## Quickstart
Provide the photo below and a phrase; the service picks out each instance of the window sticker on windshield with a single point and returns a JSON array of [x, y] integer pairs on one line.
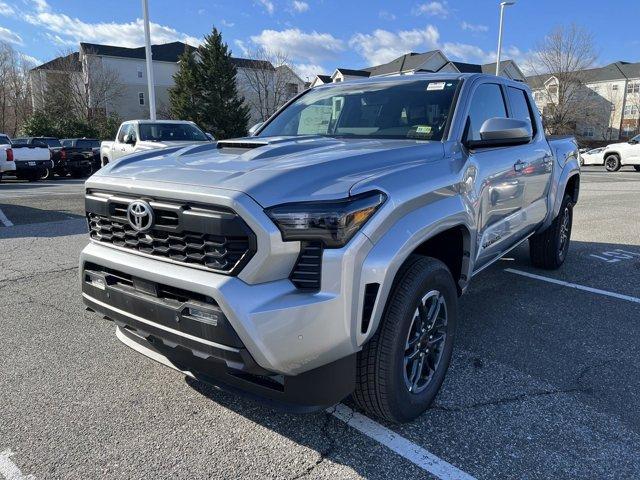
[[435, 86], [423, 129]]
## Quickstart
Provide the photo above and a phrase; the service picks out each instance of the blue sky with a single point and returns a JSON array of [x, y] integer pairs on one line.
[[319, 35]]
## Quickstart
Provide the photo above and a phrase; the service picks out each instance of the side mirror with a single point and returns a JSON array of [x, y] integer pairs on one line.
[[633, 141], [130, 139], [255, 128], [500, 132], [210, 136]]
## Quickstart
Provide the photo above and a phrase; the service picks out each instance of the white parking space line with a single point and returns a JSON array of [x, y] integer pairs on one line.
[[400, 445], [4, 220], [10, 470], [574, 285]]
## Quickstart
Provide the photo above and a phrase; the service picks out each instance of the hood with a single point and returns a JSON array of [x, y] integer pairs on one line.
[[276, 170]]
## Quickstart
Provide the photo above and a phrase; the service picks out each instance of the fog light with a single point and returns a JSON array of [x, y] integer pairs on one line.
[[97, 282], [204, 316]]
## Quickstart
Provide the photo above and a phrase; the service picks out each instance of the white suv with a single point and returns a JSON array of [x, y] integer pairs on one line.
[[618, 154]]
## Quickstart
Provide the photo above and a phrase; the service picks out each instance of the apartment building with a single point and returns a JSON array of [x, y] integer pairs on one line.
[[92, 62], [607, 100], [411, 63]]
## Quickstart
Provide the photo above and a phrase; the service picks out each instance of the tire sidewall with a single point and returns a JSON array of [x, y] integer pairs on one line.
[[407, 404], [617, 163], [566, 204]]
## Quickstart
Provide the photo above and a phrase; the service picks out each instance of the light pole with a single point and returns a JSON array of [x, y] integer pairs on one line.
[[147, 48], [502, 5]]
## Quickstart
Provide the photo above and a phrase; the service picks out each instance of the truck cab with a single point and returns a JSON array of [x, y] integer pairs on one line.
[[141, 135]]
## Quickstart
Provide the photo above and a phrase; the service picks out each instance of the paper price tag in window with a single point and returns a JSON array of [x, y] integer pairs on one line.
[[423, 129], [435, 86]]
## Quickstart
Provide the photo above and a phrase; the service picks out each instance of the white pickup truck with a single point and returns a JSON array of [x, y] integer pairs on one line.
[[139, 135], [27, 162]]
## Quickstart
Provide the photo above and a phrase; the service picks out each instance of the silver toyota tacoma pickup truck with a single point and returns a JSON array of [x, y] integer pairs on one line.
[[324, 256]]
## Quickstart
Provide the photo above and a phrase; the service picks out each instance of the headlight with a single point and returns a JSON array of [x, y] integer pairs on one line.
[[333, 222]]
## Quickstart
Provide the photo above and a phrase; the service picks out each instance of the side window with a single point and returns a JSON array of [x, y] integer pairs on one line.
[[520, 107], [487, 102]]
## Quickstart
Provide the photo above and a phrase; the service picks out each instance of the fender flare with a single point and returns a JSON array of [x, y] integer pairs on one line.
[[392, 249]]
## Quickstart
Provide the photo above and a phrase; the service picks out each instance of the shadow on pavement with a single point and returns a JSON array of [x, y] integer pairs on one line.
[[40, 223]]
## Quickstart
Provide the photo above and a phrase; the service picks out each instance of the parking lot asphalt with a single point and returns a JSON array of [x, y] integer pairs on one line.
[[544, 381]]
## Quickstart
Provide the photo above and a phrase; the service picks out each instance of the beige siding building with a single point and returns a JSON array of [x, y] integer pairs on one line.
[[607, 100]]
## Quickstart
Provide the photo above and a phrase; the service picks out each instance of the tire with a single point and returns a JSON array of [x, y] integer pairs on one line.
[[636, 168], [105, 161], [612, 163], [47, 174], [548, 249], [384, 379]]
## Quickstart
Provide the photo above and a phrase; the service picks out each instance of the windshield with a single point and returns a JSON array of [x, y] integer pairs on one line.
[[170, 132], [50, 142], [4, 140], [416, 109]]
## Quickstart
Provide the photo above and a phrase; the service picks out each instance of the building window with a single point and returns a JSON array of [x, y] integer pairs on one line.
[[537, 96], [633, 87], [588, 132], [141, 98], [292, 89], [139, 71], [614, 87], [631, 110], [553, 89]]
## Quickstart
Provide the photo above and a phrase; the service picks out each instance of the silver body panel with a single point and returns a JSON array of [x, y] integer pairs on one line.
[[430, 187]]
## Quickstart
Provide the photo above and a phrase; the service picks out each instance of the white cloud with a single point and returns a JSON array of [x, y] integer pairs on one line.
[[307, 71], [7, 35], [268, 6], [226, 23], [30, 60], [300, 6], [385, 15], [312, 47], [6, 9], [467, 53], [65, 30], [433, 9], [382, 46], [474, 27], [242, 46]]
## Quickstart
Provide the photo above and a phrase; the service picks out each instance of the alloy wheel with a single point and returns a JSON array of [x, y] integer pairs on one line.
[[425, 341]]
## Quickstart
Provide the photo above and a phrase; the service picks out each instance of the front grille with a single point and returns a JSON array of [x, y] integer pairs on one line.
[[214, 238], [306, 272]]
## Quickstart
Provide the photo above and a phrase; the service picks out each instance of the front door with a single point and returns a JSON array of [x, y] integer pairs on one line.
[[501, 187]]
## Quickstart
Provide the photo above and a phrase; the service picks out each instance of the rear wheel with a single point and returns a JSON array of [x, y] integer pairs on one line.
[[402, 367], [548, 249], [46, 174], [612, 163], [105, 161]]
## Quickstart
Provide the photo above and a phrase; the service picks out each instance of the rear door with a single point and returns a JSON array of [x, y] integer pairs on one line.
[[534, 161], [501, 187]]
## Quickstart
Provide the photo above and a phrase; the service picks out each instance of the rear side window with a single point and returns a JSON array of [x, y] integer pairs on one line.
[[520, 107], [487, 102]]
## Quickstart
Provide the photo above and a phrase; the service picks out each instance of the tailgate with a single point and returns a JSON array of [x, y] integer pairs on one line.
[[23, 153]]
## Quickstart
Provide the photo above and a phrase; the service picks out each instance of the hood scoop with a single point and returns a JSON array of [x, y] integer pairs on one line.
[[240, 144]]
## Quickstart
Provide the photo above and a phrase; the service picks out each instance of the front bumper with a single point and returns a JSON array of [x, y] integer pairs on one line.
[[190, 333]]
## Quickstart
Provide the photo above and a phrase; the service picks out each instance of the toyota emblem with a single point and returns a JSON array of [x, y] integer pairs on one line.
[[140, 215]]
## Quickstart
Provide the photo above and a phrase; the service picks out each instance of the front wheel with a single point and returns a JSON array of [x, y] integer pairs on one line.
[[548, 249], [46, 174], [402, 367], [612, 163]]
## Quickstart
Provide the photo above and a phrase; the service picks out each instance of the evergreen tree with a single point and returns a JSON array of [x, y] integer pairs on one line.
[[221, 107], [185, 95]]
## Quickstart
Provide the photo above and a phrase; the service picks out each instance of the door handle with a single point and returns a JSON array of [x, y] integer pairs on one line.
[[519, 165]]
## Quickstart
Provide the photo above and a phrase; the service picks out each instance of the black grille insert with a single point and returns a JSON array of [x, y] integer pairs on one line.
[[306, 274], [215, 238]]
